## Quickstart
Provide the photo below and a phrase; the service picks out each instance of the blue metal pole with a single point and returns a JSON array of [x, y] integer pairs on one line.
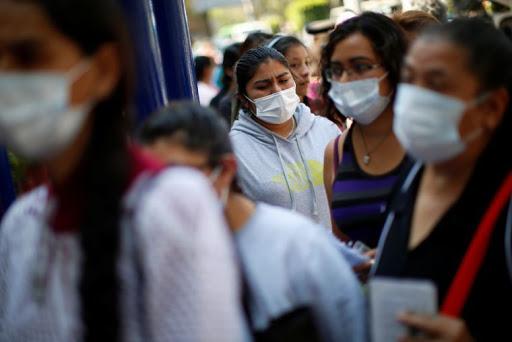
[[165, 69], [7, 193]]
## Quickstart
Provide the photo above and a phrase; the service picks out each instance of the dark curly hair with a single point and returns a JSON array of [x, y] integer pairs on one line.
[[388, 42]]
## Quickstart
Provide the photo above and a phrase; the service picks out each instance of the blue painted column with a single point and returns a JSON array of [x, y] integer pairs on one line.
[[164, 61], [7, 193]]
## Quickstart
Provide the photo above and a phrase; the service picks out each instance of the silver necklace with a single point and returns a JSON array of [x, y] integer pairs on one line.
[[367, 158]]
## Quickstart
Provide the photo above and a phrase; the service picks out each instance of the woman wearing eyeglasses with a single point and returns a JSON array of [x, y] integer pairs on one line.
[[361, 67]]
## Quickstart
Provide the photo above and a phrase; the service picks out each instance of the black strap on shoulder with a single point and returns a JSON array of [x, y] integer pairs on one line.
[[389, 245]]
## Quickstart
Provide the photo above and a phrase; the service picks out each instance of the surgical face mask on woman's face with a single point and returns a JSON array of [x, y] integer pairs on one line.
[[427, 123], [276, 108], [359, 100], [36, 118]]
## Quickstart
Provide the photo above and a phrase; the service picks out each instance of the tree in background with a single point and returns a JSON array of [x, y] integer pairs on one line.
[[301, 12]]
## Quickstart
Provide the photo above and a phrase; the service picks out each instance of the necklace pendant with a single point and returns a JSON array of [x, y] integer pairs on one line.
[[366, 159]]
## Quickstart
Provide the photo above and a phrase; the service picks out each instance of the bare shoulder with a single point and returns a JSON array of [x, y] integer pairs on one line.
[[329, 150]]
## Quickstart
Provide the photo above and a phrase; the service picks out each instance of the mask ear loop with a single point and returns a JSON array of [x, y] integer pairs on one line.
[[472, 104], [74, 74], [214, 176], [254, 103], [478, 101], [78, 70], [248, 99], [215, 173], [224, 196], [382, 78]]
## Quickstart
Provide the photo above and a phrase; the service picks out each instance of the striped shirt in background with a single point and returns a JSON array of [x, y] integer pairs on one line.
[[358, 199]]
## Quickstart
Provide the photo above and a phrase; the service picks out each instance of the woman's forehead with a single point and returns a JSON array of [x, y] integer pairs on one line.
[[297, 51], [269, 69], [426, 53], [355, 45], [23, 21]]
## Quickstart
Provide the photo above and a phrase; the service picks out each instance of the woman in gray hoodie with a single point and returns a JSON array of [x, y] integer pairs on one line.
[[278, 142]]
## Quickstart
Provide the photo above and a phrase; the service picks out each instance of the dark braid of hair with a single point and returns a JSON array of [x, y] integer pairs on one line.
[[105, 166]]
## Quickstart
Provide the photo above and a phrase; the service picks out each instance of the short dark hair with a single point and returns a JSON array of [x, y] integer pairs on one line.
[[201, 64], [283, 43], [387, 40], [197, 128], [229, 59], [254, 40]]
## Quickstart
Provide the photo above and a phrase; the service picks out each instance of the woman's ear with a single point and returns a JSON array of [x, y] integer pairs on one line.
[[494, 109], [107, 63], [244, 104], [229, 72]]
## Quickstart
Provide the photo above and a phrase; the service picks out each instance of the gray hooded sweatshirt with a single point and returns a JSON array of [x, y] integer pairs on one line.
[[286, 172]]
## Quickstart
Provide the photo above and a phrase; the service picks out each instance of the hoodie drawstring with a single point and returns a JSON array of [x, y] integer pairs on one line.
[[309, 177], [292, 198]]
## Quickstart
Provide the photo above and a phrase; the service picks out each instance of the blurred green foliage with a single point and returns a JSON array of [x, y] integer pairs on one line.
[[301, 12]]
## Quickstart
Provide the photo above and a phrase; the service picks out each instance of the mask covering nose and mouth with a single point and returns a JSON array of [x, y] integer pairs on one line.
[[360, 99], [36, 118], [277, 108], [427, 123]]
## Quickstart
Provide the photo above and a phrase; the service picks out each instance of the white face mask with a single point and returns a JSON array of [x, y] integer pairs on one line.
[[277, 108], [359, 100], [36, 120], [427, 123]]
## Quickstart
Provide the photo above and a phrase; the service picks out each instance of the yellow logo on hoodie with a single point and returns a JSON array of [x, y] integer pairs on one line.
[[298, 177]]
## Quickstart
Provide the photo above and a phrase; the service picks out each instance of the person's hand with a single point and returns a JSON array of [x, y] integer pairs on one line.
[[371, 253], [437, 328], [362, 270]]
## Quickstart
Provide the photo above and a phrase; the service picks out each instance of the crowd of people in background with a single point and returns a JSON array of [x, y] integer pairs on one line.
[[265, 211]]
